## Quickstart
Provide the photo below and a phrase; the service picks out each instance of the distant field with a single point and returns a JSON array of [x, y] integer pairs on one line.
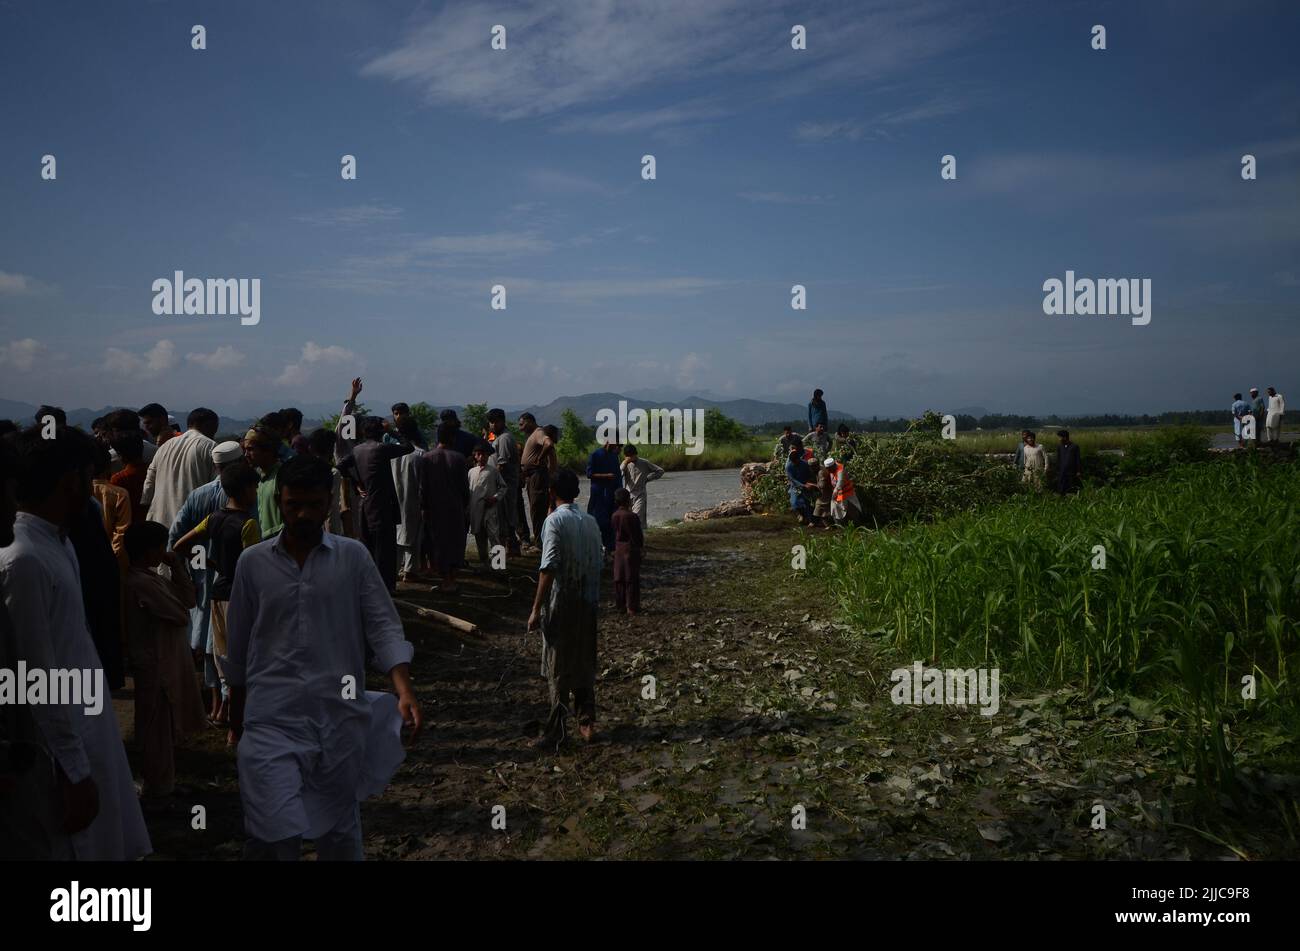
[[733, 454], [1088, 440], [989, 440]]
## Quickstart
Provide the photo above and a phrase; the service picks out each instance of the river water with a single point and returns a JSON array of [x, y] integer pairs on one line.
[[680, 492]]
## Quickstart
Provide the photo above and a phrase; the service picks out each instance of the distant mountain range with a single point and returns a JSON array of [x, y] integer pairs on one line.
[[243, 412], [23, 413], [746, 412]]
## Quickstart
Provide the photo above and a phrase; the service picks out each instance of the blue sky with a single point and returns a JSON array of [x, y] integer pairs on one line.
[[775, 167]]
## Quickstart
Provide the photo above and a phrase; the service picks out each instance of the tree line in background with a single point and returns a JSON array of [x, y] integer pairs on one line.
[[1012, 421]]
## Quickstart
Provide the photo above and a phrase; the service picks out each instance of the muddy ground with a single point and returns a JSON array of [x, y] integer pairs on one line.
[[766, 711]]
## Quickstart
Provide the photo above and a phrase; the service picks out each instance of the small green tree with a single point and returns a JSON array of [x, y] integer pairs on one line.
[[576, 437], [426, 417], [929, 424], [719, 427], [474, 419]]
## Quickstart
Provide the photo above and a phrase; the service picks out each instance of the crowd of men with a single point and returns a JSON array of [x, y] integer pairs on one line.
[[1265, 415], [265, 568], [823, 495], [821, 492]]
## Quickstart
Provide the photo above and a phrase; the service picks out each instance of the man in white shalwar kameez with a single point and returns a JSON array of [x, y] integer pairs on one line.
[[303, 607], [83, 763], [1273, 421], [181, 465]]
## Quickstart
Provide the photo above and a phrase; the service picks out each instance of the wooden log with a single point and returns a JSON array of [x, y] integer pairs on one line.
[[459, 624]]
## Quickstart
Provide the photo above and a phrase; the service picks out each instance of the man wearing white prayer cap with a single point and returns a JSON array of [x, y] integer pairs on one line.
[[226, 452], [199, 504]]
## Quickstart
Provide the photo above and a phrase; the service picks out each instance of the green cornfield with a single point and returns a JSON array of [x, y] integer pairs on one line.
[[1200, 588]]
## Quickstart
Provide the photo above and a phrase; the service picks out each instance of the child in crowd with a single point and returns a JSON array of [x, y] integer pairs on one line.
[[167, 702], [825, 480], [629, 539], [486, 489]]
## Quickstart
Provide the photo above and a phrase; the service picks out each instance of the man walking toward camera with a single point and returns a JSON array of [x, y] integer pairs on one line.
[[303, 608]]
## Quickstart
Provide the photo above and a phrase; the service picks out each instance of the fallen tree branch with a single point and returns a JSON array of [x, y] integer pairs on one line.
[[459, 624]]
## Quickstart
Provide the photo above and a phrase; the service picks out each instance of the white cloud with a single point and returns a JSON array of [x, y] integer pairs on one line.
[[313, 354], [352, 216], [935, 108], [223, 358], [601, 289], [158, 359], [162, 356], [21, 354], [14, 283], [632, 121], [562, 55], [583, 52], [406, 261], [121, 362], [552, 180], [830, 130], [785, 198], [886, 124], [691, 369], [495, 244], [21, 284], [293, 374]]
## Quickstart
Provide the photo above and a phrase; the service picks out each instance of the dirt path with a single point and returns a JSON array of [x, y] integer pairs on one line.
[[762, 705]]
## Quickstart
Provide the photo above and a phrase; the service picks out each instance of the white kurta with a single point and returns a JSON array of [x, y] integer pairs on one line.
[[1036, 465], [295, 637], [181, 465], [484, 482], [406, 482], [42, 592]]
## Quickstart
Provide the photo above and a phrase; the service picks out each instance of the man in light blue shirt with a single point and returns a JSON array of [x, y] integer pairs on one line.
[[1240, 409], [1258, 409], [199, 504]]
